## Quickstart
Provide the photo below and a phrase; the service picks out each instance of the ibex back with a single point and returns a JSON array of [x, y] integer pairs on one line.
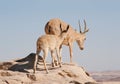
[[53, 27]]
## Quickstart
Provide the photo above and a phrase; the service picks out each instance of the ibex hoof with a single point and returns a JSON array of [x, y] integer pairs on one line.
[[47, 72], [60, 65], [56, 63], [53, 65], [34, 71]]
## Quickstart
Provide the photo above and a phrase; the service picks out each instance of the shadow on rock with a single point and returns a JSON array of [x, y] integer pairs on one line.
[[75, 82], [24, 63]]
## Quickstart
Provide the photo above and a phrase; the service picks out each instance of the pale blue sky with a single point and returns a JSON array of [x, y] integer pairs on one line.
[[23, 21]]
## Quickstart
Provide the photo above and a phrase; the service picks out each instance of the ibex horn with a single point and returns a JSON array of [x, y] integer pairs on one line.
[[79, 26], [85, 26]]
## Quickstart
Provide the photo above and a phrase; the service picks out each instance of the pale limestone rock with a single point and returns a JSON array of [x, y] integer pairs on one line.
[[20, 72]]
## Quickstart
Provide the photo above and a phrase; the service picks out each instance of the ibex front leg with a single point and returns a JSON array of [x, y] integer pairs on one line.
[[58, 56], [60, 52], [71, 52]]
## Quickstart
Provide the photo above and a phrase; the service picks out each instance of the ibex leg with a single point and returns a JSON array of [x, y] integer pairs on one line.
[[44, 58], [53, 58], [71, 52], [36, 60]]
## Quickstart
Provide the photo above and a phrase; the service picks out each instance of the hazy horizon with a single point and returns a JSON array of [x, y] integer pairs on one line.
[[22, 22]]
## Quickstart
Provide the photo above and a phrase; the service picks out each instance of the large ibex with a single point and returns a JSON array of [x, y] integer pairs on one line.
[[50, 43], [53, 27]]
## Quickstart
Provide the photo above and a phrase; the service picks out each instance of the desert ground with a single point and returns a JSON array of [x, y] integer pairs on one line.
[[107, 77]]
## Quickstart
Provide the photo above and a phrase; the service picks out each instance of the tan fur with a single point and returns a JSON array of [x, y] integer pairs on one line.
[[52, 43], [52, 27]]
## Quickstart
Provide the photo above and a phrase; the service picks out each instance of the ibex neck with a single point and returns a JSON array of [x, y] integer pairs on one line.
[[60, 39]]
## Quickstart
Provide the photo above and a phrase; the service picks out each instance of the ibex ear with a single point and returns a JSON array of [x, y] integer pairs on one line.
[[67, 27], [86, 31], [80, 31], [60, 27]]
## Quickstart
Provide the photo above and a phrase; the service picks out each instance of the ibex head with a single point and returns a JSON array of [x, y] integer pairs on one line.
[[82, 36]]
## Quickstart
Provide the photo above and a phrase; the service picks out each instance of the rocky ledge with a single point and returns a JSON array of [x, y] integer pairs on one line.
[[20, 72]]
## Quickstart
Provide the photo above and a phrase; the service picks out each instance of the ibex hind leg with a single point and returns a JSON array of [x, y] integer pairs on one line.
[[35, 63], [36, 60], [44, 57]]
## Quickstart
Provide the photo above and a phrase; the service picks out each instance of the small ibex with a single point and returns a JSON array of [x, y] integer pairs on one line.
[[53, 27], [52, 43]]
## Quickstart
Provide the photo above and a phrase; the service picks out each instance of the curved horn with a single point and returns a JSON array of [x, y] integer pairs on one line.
[[85, 26], [79, 26]]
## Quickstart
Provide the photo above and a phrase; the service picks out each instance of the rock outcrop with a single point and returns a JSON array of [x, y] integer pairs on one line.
[[20, 72]]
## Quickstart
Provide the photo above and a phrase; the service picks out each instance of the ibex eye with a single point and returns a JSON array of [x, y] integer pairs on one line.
[[85, 38]]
